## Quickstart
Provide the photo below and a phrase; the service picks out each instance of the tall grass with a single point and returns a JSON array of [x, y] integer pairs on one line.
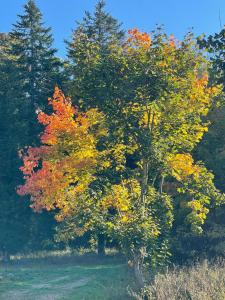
[[202, 281]]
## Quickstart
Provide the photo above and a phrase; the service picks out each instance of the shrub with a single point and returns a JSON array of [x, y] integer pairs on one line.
[[197, 282]]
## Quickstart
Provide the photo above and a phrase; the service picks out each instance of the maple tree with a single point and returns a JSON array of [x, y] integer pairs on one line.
[[156, 105], [61, 169], [155, 119]]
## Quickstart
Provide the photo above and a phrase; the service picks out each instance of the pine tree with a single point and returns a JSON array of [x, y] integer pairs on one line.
[[38, 67], [92, 41], [38, 71], [212, 147], [101, 27], [28, 72], [14, 213]]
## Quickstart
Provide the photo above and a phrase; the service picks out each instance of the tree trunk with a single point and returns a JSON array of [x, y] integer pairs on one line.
[[138, 273], [161, 184], [101, 244], [144, 185]]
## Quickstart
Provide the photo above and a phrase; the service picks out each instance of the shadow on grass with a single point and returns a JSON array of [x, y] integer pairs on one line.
[[65, 276]]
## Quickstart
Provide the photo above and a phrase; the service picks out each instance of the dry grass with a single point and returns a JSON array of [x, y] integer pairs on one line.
[[202, 281]]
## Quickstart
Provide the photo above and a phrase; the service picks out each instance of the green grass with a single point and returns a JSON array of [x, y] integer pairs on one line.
[[65, 278]]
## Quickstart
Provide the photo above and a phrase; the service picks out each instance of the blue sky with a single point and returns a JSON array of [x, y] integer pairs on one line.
[[178, 16]]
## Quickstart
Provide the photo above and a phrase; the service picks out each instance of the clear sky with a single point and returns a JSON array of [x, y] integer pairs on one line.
[[178, 16]]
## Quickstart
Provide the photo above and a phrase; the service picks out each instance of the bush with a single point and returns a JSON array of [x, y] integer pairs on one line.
[[201, 281]]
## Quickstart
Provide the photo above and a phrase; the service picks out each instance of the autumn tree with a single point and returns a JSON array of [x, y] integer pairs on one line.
[[60, 174], [156, 98], [156, 120]]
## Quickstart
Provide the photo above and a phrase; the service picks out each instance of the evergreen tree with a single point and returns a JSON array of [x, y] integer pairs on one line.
[[14, 213], [38, 67], [39, 70], [101, 27], [213, 145], [28, 72], [92, 41], [91, 83]]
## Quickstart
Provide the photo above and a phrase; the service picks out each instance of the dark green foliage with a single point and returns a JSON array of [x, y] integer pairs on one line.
[[14, 213], [212, 151], [212, 148], [28, 72], [215, 45], [91, 43], [101, 27], [37, 66]]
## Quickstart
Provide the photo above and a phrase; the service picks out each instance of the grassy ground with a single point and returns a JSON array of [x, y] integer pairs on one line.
[[65, 278]]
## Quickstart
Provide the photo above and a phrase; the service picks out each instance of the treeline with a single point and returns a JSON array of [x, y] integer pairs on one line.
[[148, 111]]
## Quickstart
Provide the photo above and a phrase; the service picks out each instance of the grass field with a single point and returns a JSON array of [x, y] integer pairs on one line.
[[65, 278]]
